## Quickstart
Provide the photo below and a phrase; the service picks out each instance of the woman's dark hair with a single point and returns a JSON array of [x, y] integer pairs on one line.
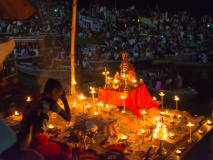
[[52, 84]]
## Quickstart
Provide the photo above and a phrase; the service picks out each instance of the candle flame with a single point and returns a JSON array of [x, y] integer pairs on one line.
[[154, 98], [167, 113], [74, 82], [143, 131], [171, 134], [74, 104], [16, 113], [176, 98], [115, 80], [178, 151], [123, 111], [190, 124], [209, 122], [101, 104], [95, 113], [123, 97], [51, 126], [82, 97], [162, 94], [106, 106], [28, 99], [92, 90], [200, 132], [134, 81], [143, 112], [124, 137], [179, 116]]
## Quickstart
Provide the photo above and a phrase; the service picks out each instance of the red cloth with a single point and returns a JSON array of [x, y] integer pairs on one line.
[[16, 9], [137, 99], [50, 149]]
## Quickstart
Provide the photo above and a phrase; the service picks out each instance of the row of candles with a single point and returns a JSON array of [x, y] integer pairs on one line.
[[162, 95]]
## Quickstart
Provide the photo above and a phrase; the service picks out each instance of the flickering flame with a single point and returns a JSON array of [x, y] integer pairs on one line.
[[82, 97], [101, 104], [176, 98], [124, 137], [105, 72], [143, 112], [106, 106], [167, 113], [123, 111], [200, 132], [74, 82], [143, 131], [171, 134], [50, 126], [28, 99], [123, 75], [95, 113], [178, 151], [190, 124], [134, 81], [115, 80], [160, 131], [179, 116], [162, 113], [154, 98], [16, 113], [162, 94], [122, 97], [92, 90], [209, 122]]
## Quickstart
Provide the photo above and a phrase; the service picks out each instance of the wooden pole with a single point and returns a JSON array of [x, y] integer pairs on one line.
[[72, 56]]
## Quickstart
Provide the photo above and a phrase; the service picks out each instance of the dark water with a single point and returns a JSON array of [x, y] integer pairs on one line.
[[199, 78]]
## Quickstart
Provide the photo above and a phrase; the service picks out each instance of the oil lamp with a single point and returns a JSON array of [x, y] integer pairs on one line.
[[162, 94], [176, 99], [190, 132], [28, 99], [105, 73]]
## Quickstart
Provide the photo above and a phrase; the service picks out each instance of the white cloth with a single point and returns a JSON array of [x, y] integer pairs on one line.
[[7, 136]]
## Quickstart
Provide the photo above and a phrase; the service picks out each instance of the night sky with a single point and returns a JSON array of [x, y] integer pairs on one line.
[[196, 7]]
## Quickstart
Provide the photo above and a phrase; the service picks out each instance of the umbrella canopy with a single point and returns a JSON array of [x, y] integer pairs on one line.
[[6, 47], [16, 9]]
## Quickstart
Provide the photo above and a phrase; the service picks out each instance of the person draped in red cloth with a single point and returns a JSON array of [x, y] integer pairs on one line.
[[38, 112]]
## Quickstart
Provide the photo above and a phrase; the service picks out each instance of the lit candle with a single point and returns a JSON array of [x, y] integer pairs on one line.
[[200, 132], [143, 131], [171, 135], [178, 151], [74, 82], [28, 99], [16, 113], [50, 126], [124, 136], [190, 132], [95, 113], [144, 114], [154, 98], [176, 99], [179, 116], [162, 94], [209, 122], [93, 97], [124, 104], [74, 104], [82, 102]]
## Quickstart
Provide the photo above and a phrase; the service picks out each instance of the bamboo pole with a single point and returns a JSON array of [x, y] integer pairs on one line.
[[72, 56]]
